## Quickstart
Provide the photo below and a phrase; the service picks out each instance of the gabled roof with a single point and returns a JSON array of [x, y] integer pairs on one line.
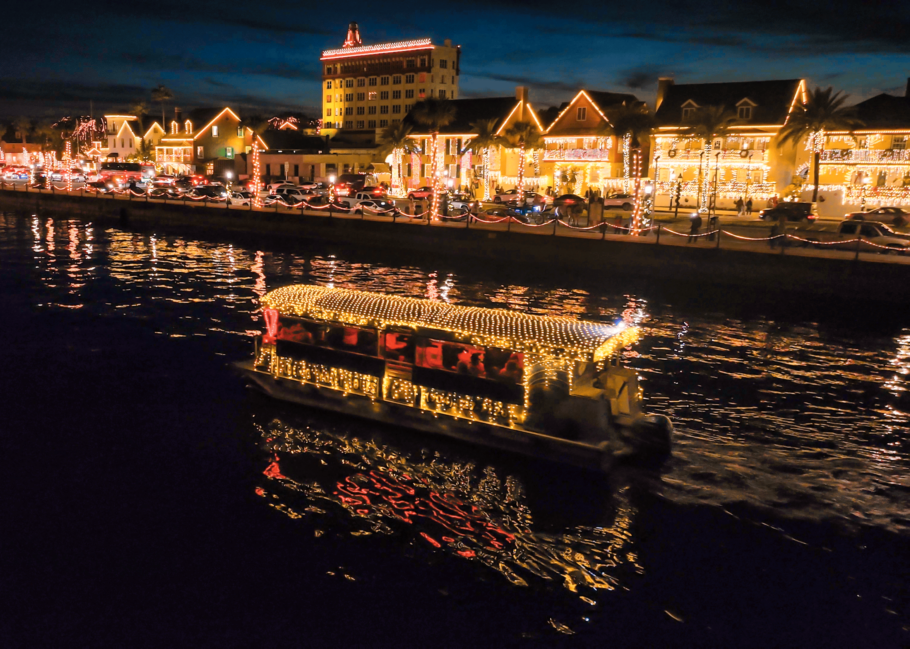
[[885, 111], [468, 111], [602, 102], [291, 140], [772, 99]]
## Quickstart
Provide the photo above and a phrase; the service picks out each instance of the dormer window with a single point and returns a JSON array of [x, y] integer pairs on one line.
[[744, 109], [174, 127], [188, 125], [688, 110]]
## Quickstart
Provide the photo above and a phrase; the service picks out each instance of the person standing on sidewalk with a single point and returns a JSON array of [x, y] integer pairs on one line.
[[749, 207], [694, 227], [739, 206]]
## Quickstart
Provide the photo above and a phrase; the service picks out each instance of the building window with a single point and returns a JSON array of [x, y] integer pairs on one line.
[[383, 81], [453, 66], [396, 79], [328, 85], [443, 64], [338, 112], [372, 81], [384, 95], [361, 96], [744, 112], [359, 123], [396, 94], [348, 83], [372, 95], [423, 61], [383, 110], [328, 99], [349, 124], [409, 78], [372, 110], [348, 110], [361, 82], [239, 131], [409, 63], [442, 94], [328, 112], [229, 152], [338, 97], [371, 123], [360, 110], [383, 123], [581, 114], [349, 96], [688, 112], [200, 152], [409, 94], [422, 77], [214, 131], [422, 93], [328, 70], [396, 108], [899, 142]]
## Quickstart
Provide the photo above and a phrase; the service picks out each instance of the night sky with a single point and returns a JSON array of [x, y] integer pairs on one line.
[[265, 57]]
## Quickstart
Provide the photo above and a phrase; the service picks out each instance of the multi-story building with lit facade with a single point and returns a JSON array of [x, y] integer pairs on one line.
[[369, 87], [747, 161], [871, 166]]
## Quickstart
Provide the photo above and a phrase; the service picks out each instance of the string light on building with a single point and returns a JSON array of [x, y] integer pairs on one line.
[[257, 199]]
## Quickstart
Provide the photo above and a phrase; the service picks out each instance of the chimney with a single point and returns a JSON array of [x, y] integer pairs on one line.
[[663, 86], [177, 115], [447, 42], [521, 93]]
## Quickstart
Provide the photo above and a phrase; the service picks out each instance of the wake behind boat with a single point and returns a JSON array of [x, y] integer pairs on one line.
[[539, 385]]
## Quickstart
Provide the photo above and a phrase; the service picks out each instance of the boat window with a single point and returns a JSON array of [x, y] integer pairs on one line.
[[398, 346], [351, 339], [490, 363], [301, 331]]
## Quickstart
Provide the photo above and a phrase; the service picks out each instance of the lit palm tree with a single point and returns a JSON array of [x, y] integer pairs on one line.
[[522, 136], [162, 95], [706, 124], [482, 144], [434, 114], [395, 140], [824, 111], [629, 124]]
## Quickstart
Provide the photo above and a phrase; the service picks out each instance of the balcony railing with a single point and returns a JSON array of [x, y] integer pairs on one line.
[[753, 156], [865, 155], [582, 155]]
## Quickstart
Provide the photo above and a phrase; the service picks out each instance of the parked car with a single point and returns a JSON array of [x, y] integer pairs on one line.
[[209, 191], [791, 211], [357, 198], [623, 201], [511, 196], [282, 199], [348, 184], [101, 186], [421, 192], [376, 206], [294, 194], [874, 232], [75, 176], [895, 215], [164, 192], [241, 198], [460, 202]]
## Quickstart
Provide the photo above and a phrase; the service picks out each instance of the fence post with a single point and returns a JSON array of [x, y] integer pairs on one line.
[[718, 238], [658, 234], [330, 210], [856, 255], [555, 223]]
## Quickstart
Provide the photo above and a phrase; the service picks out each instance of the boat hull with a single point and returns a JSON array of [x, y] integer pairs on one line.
[[598, 457]]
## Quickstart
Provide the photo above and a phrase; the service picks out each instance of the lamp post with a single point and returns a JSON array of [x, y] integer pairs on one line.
[[716, 165]]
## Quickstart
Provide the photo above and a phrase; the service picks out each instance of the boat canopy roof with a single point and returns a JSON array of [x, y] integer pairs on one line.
[[533, 334]]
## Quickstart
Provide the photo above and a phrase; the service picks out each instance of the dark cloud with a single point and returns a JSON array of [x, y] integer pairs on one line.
[[557, 85], [162, 61]]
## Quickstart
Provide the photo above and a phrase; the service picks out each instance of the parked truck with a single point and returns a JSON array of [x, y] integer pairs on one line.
[[874, 236]]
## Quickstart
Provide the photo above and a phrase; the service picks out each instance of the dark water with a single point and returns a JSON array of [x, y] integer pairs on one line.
[[151, 500]]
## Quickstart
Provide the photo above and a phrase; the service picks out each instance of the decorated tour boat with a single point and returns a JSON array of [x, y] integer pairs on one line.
[[538, 385]]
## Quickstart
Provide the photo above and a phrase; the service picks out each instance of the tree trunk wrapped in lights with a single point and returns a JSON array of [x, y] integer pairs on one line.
[[636, 175], [626, 153], [257, 199], [434, 174], [68, 165]]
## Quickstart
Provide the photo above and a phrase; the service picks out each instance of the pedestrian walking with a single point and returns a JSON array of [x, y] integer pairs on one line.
[[739, 206], [749, 207], [694, 227]]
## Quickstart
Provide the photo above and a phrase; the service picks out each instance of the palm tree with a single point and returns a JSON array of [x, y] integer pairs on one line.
[[162, 95], [522, 135], [824, 111], [434, 114], [140, 109], [23, 125], [706, 124], [395, 140], [482, 144], [630, 123]]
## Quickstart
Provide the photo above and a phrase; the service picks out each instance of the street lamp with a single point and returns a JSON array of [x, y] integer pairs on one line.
[[716, 165]]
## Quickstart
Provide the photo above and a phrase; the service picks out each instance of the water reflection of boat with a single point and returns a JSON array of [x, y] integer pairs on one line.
[[543, 386]]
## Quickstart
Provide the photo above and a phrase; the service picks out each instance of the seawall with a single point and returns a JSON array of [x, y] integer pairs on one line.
[[718, 268]]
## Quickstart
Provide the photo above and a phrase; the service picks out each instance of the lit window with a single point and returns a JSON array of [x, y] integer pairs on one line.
[[372, 95], [239, 131], [200, 152], [188, 125], [421, 93], [581, 114], [214, 131], [328, 112], [328, 99], [229, 152]]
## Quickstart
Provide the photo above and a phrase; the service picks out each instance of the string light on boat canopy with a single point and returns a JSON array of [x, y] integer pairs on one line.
[[532, 334]]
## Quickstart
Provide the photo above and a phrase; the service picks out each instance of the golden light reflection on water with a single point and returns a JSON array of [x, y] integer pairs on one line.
[[787, 417], [448, 507]]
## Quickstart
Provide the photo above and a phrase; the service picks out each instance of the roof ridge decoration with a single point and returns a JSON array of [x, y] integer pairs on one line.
[[534, 334], [379, 48]]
